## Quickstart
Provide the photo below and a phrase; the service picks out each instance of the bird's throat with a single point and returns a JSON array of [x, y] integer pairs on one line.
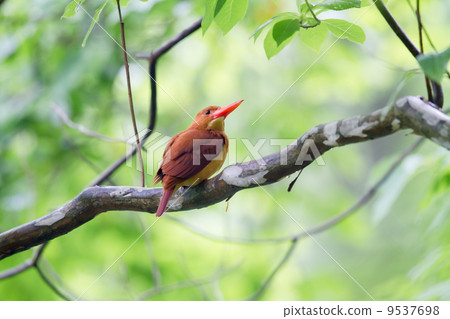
[[217, 124]]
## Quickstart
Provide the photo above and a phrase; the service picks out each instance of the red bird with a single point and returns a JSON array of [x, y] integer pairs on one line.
[[195, 154]]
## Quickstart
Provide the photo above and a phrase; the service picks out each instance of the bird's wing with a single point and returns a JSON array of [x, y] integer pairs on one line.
[[191, 151]]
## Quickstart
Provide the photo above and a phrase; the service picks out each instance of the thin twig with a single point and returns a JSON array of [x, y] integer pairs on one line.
[[172, 42], [58, 110], [126, 281], [130, 96], [152, 71], [396, 27], [193, 282], [156, 272], [106, 174], [153, 100], [420, 26], [182, 260], [314, 16], [33, 263], [427, 35], [423, 27], [438, 97], [51, 285], [257, 294], [90, 163], [26, 265]]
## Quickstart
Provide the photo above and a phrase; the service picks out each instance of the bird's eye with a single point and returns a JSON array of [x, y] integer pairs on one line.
[[207, 112]]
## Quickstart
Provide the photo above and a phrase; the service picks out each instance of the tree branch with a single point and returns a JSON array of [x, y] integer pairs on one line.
[[408, 113], [51, 285], [313, 230], [172, 42], [83, 130], [258, 293], [187, 283], [420, 27], [26, 265], [396, 28], [130, 95], [438, 97]]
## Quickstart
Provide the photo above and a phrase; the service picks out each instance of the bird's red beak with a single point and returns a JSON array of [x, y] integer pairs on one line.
[[224, 111]]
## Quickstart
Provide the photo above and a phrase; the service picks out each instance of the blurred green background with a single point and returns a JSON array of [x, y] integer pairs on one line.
[[397, 247]]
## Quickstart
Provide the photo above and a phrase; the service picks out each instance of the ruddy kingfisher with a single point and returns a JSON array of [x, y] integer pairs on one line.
[[195, 154]]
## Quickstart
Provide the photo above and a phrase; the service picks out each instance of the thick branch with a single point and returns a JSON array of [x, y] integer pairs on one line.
[[408, 113], [315, 229]]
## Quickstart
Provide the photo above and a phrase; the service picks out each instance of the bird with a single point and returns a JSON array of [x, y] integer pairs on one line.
[[194, 155]]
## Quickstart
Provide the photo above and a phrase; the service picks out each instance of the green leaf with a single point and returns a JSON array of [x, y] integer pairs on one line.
[[303, 8], [284, 15], [434, 65], [338, 5], [71, 8], [314, 37], [124, 3], [208, 17], [300, 5], [228, 13], [283, 30], [346, 30], [94, 21], [280, 35]]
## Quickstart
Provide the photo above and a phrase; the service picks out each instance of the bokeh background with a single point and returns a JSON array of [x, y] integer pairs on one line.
[[397, 247]]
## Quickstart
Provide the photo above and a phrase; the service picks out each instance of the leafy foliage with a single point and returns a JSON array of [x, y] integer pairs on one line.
[[338, 5], [346, 30], [281, 16], [313, 30], [434, 65], [94, 21], [315, 37], [72, 8], [280, 35], [226, 13]]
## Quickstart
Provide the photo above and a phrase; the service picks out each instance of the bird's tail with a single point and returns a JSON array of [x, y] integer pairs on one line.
[[164, 200]]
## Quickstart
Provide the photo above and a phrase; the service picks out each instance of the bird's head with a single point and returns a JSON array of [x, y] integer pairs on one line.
[[212, 117]]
